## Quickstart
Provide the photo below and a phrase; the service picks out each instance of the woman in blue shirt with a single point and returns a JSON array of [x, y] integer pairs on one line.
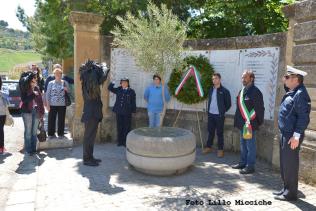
[[155, 103]]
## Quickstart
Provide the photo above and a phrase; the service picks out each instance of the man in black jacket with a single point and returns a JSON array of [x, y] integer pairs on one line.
[[124, 106], [248, 117], [92, 75], [219, 102]]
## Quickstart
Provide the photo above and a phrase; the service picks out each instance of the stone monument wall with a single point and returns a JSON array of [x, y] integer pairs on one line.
[[297, 47], [302, 55], [188, 119]]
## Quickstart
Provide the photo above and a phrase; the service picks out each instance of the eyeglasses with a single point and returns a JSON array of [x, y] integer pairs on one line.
[[289, 76]]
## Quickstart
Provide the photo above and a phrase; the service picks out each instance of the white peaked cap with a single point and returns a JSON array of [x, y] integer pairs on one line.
[[292, 70]]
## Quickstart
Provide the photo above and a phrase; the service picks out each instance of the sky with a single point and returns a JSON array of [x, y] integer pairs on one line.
[[8, 10]]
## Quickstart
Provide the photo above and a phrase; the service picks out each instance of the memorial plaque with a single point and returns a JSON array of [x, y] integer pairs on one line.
[[229, 63], [265, 64], [226, 62]]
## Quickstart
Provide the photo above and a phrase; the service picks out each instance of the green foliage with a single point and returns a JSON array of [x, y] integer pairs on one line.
[[155, 38], [227, 18], [189, 92], [14, 39], [53, 34], [51, 30], [3, 24], [10, 58], [110, 9]]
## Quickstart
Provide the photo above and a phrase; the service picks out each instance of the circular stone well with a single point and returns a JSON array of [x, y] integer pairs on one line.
[[160, 151]]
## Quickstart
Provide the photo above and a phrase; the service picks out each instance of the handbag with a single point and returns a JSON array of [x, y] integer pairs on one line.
[[8, 118], [41, 136], [67, 97]]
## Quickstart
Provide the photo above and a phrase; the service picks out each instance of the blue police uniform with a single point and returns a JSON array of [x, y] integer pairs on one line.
[[293, 120], [124, 106]]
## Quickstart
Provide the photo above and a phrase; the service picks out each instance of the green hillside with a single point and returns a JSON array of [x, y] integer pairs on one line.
[[14, 39], [10, 58]]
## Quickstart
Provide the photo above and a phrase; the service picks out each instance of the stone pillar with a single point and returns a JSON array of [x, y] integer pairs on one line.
[[87, 45], [68, 66], [302, 41], [108, 125]]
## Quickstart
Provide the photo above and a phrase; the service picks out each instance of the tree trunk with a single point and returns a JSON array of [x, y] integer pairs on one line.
[[162, 116]]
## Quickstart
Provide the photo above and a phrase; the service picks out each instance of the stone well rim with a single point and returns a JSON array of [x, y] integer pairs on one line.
[[161, 132]]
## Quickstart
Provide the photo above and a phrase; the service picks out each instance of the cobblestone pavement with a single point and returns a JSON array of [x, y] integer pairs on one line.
[[57, 180]]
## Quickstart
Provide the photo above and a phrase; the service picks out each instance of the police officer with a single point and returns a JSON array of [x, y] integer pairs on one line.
[[124, 106], [293, 120]]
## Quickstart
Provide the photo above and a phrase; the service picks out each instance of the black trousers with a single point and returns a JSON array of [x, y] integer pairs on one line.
[[123, 125], [53, 112], [2, 121], [289, 165], [216, 123], [90, 132]]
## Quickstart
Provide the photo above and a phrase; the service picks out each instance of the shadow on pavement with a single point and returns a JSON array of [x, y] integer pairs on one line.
[[29, 163], [99, 177], [4, 156], [209, 178], [303, 205]]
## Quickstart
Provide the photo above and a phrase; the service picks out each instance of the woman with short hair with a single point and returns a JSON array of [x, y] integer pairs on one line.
[[56, 104], [124, 106], [155, 102]]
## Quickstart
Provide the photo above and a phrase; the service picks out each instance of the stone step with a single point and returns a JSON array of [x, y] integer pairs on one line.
[[312, 123], [56, 143], [310, 145], [310, 135]]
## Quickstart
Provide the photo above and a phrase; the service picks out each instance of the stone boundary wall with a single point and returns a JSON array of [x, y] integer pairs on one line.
[[297, 48]]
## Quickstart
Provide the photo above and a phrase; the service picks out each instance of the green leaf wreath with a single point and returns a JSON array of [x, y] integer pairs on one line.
[[189, 92]]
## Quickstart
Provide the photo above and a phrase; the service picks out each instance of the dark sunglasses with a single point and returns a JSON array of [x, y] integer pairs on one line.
[[289, 76]]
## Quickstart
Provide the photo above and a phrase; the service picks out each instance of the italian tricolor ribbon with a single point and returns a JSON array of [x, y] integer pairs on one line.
[[192, 71], [247, 116]]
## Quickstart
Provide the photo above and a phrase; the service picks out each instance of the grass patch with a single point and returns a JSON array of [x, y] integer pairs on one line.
[[10, 58]]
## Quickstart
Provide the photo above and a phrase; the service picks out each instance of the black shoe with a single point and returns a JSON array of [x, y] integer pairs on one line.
[[278, 193], [284, 198], [238, 166], [90, 163], [247, 170], [97, 160]]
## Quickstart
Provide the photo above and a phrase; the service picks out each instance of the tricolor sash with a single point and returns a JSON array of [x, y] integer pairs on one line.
[[247, 116], [192, 71]]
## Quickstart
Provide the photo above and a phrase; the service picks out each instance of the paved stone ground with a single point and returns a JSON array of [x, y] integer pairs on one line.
[[57, 180]]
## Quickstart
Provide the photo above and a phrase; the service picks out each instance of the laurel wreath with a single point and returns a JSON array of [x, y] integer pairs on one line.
[[189, 93]]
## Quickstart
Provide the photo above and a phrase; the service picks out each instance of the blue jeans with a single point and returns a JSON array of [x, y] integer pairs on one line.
[[31, 122], [248, 151], [154, 119]]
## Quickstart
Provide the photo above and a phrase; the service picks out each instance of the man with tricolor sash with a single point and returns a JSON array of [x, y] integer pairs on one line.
[[248, 117], [293, 120]]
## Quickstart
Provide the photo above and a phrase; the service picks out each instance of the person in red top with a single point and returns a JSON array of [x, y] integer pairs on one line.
[[32, 109]]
